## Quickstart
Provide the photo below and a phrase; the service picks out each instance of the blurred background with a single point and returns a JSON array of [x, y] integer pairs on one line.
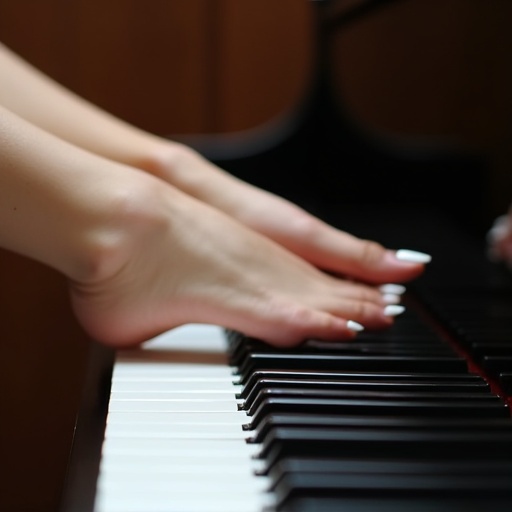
[[411, 78]]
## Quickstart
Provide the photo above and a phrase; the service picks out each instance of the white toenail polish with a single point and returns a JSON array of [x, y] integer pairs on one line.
[[396, 289], [413, 256], [390, 298], [393, 310], [354, 326]]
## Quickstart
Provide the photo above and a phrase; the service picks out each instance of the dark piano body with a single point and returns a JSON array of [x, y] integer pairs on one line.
[[416, 418]]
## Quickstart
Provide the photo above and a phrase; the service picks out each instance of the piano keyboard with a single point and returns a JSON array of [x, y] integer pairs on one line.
[[203, 422]]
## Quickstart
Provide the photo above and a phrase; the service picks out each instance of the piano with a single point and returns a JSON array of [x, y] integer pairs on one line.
[[413, 419]]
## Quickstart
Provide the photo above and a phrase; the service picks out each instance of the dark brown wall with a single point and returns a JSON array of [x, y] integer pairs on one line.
[[438, 68], [170, 66]]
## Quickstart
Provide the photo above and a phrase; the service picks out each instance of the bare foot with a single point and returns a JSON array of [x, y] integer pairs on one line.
[[285, 223], [170, 260]]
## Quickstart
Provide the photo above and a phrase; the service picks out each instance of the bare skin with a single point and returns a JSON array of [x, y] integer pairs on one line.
[[37, 98], [284, 222], [143, 257], [152, 236], [203, 266]]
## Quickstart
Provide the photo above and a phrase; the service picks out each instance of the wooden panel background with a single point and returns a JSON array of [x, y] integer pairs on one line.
[[421, 68]]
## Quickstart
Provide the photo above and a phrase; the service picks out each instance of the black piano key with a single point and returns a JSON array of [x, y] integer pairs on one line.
[[418, 444], [355, 376], [409, 334], [396, 466], [257, 434], [417, 487], [316, 502], [412, 336], [379, 408], [238, 351], [403, 478], [263, 394], [405, 347], [419, 364], [354, 484], [381, 347]]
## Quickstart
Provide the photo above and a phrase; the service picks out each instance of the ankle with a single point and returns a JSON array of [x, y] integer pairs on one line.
[[130, 213]]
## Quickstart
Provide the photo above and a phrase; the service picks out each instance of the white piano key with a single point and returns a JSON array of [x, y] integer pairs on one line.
[[170, 385], [179, 418], [187, 464], [170, 373], [203, 447], [175, 406], [169, 502], [177, 394], [153, 481], [124, 369], [156, 482], [186, 431], [200, 337]]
